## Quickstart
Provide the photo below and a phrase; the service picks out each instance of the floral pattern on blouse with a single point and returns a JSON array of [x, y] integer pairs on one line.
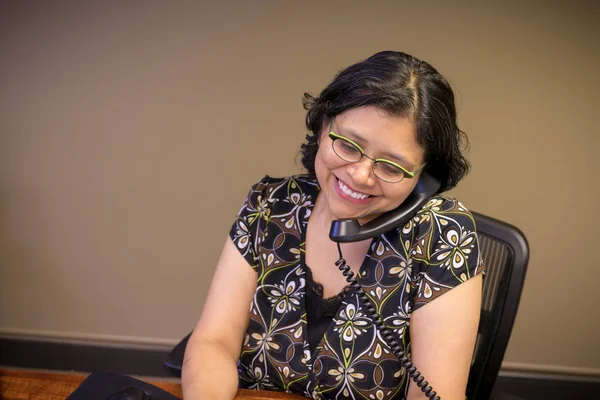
[[404, 269]]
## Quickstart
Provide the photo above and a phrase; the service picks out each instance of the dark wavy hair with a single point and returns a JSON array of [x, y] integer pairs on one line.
[[404, 86]]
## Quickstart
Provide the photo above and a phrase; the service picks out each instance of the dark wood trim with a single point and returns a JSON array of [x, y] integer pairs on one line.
[[546, 386], [53, 355]]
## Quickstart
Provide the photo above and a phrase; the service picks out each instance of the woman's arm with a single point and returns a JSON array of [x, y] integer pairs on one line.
[[442, 335], [209, 366]]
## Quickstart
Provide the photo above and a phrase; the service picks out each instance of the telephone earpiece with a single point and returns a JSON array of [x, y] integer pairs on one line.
[[349, 230]]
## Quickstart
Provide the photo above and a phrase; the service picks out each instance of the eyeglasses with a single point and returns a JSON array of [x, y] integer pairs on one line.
[[386, 170]]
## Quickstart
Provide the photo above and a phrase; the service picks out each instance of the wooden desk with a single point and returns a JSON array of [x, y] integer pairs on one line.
[[35, 385]]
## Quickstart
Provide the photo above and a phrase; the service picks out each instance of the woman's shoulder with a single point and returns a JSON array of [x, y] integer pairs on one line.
[[300, 178], [444, 204], [269, 185], [437, 213], [444, 247], [442, 215]]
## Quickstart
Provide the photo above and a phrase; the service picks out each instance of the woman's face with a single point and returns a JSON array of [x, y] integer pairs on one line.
[[344, 184]]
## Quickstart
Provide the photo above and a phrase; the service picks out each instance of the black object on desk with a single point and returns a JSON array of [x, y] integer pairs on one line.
[[108, 386]]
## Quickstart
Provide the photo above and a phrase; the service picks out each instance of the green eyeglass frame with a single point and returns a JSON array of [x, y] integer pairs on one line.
[[407, 174]]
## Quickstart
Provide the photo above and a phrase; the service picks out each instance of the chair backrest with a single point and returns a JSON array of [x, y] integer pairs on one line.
[[174, 360], [505, 252]]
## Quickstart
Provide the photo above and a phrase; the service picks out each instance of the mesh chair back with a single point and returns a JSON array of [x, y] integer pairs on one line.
[[505, 253]]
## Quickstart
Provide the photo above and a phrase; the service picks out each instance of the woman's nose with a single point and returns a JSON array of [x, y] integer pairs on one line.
[[362, 171]]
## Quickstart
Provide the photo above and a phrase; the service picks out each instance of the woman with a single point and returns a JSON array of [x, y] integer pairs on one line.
[[375, 129]]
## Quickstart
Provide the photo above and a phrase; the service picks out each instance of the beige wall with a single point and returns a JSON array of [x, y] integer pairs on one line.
[[130, 134]]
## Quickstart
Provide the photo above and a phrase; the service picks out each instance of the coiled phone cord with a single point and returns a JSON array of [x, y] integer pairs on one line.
[[385, 331]]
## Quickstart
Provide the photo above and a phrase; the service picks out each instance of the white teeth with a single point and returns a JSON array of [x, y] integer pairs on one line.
[[356, 195]]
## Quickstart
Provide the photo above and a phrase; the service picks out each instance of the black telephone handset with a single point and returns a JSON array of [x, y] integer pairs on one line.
[[349, 230]]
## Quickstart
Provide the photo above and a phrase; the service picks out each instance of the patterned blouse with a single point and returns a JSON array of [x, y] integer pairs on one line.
[[403, 270]]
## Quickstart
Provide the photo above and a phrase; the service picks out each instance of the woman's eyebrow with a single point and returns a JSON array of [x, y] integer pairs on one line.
[[355, 136]]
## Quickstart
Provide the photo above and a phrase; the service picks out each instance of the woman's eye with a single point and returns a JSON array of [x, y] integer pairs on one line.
[[390, 169], [349, 147]]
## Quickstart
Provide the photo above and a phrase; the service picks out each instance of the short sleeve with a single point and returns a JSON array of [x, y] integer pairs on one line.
[[247, 229], [445, 249]]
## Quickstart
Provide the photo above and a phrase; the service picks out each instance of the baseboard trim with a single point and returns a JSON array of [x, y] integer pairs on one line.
[[116, 341], [545, 386], [516, 367], [79, 357], [548, 376]]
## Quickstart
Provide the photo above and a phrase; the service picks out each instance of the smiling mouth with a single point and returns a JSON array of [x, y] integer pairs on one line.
[[350, 192]]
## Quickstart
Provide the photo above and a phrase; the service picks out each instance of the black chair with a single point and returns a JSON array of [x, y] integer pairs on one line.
[[174, 360], [505, 252]]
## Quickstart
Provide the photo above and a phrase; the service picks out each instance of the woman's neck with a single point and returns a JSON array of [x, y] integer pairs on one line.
[[321, 215]]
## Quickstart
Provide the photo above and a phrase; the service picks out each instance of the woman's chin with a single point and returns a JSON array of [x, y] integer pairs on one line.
[[362, 218]]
